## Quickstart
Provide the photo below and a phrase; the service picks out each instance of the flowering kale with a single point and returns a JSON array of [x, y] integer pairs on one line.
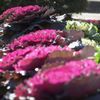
[[45, 37], [54, 81], [13, 57], [28, 58], [18, 13]]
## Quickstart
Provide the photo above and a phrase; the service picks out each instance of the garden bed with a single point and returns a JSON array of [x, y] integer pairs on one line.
[[44, 58]]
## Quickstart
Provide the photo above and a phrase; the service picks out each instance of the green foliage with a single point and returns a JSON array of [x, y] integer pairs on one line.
[[88, 28]]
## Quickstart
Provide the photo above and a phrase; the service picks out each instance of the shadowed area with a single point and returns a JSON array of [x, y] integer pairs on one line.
[[93, 6]]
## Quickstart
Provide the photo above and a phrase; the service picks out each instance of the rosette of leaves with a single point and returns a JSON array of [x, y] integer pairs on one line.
[[90, 30]]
